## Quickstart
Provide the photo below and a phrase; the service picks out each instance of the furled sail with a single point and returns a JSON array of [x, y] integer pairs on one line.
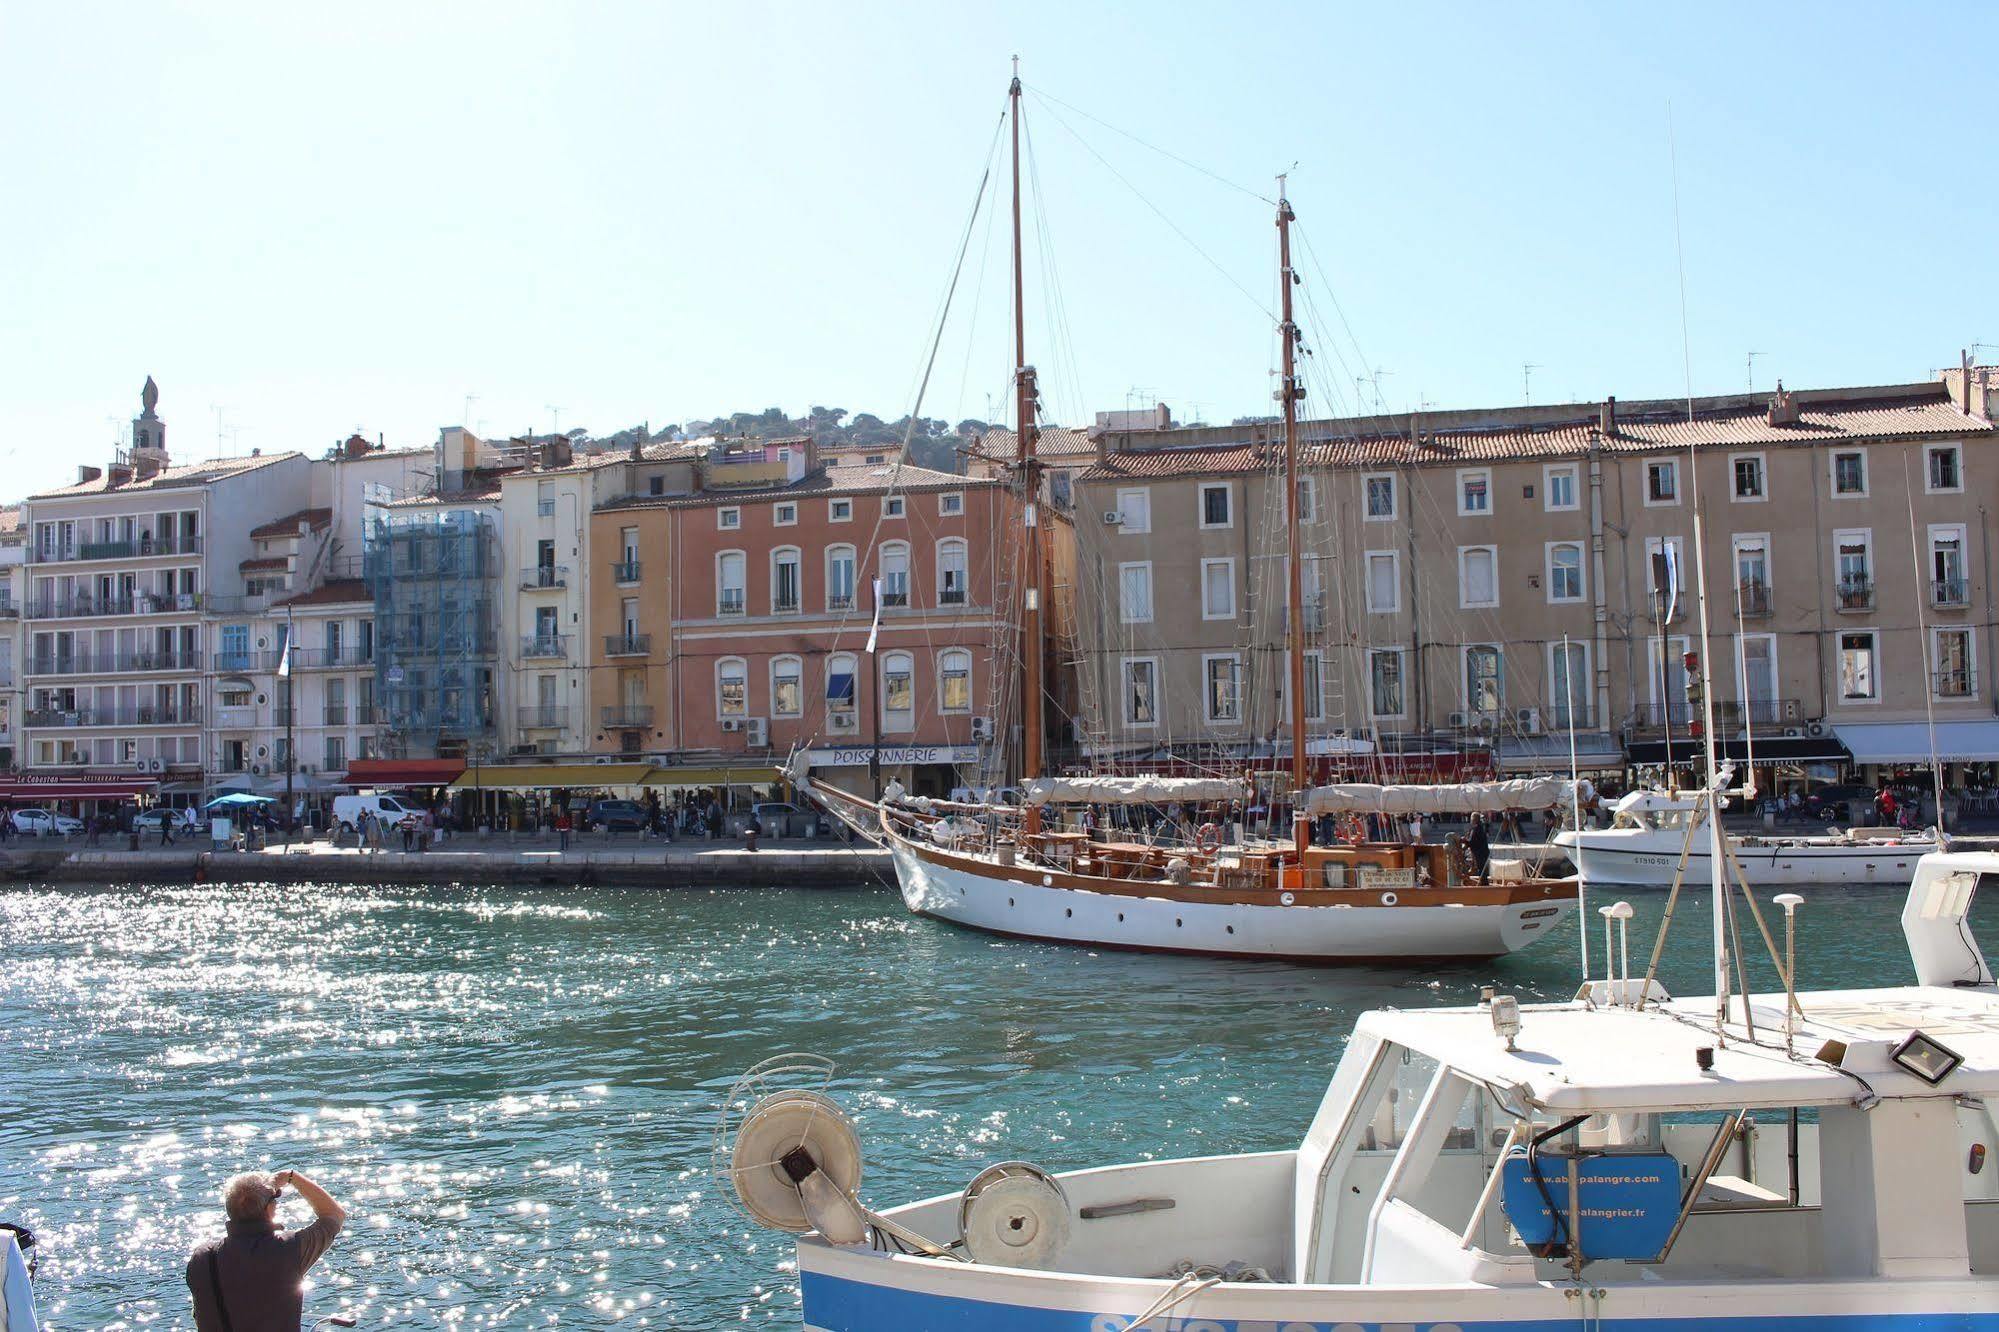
[[1449, 798], [1137, 790]]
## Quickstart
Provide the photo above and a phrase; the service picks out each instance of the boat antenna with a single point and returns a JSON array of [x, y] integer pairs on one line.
[[1923, 635], [1290, 392], [1576, 801], [1028, 473]]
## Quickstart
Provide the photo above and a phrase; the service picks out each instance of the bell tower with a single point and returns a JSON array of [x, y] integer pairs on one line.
[[149, 433]]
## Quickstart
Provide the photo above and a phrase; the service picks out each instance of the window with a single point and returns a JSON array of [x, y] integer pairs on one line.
[[1849, 473], [898, 685], [787, 687], [840, 511], [1746, 470], [1672, 580], [1380, 496], [1384, 582], [1140, 677], [1135, 592], [954, 681], [1474, 493], [784, 515], [1308, 500], [1853, 567], [953, 571], [1478, 576], [1568, 685], [1484, 695], [894, 506], [232, 651], [731, 583], [336, 753], [732, 687], [1948, 586], [785, 581], [894, 589], [1942, 468], [1752, 574], [1662, 481], [1218, 589], [1134, 509], [1756, 680], [1315, 687], [1953, 675], [544, 498], [1565, 571], [1857, 680], [1215, 509], [839, 577], [1384, 684], [840, 688], [655, 485], [951, 503], [728, 520], [1221, 675], [1558, 488]]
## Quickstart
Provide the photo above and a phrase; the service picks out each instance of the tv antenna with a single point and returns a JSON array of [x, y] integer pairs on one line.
[[1527, 382], [1749, 361], [556, 429]]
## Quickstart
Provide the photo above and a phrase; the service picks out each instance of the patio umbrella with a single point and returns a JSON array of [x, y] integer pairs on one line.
[[238, 799]]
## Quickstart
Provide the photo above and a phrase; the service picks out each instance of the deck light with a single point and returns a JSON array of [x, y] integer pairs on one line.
[[1506, 1018], [1926, 1057]]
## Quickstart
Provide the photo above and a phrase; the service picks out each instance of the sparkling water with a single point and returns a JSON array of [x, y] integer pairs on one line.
[[513, 1090]]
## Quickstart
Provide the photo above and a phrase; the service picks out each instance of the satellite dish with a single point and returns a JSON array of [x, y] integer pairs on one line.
[[1014, 1215], [792, 1160]]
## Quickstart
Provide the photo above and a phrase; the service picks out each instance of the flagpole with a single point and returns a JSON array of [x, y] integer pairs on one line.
[[1575, 795], [291, 715], [875, 697]]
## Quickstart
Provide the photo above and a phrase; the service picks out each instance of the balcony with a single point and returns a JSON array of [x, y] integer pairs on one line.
[[544, 718], [8, 610], [955, 596], [88, 663], [628, 645], [784, 605], [329, 659], [1729, 714], [895, 597], [126, 716], [839, 601], [625, 571], [1950, 593], [731, 602], [1856, 594], [1955, 684], [545, 646], [628, 716], [133, 603], [135, 549], [335, 714], [544, 576], [1752, 597]]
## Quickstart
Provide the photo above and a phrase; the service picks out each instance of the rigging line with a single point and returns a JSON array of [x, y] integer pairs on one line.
[[1163, 152], [1161, 215], [1305, 240]]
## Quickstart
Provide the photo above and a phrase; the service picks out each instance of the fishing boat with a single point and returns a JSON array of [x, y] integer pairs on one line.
[[1657, 836], [1033, 872]]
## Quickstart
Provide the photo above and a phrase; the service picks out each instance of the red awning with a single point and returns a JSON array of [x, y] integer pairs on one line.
[[30, 789], [403, 772]]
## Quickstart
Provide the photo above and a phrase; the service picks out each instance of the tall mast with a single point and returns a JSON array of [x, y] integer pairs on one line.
[[1027, 469], [1295, 565]]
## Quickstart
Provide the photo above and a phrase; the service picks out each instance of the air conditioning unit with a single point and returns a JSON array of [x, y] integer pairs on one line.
[[732, 724], [982, 728], [759, 732], [1112, 517], [1457, 721], [256, 770], [156, 765], [605, 758], [1814, 729], [1527, 721], [841, 721], [1793, 733]]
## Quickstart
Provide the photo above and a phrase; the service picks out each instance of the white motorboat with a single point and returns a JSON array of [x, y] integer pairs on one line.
[[1623, 1160], [1651, 832]]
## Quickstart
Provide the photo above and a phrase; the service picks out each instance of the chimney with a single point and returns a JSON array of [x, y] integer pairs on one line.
[[145, 463], [1606, 420], [86, 474], [1102, 439], [1964, 362], [117, 474], [356, 446], [1783, 407]]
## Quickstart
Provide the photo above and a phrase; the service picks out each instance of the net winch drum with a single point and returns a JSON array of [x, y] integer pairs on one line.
[[1014, 1214], [1627, 1202], [773, 1129]]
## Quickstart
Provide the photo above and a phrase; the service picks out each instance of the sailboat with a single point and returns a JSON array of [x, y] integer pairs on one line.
[[1020, 871]]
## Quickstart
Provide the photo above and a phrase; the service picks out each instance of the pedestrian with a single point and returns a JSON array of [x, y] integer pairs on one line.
[[1481, 848], [408, 827], [562, 827], [166, 831], [1088, 823], [253, 1279], [715, 820]]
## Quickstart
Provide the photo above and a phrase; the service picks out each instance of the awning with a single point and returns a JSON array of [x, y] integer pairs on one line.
[[761, 775], [1909, 742], [1596, 751], [403, 772], [31, 789], [550, 776], [1688, 752]]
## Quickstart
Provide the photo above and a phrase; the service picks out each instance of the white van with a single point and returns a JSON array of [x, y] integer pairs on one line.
[[389, 810]]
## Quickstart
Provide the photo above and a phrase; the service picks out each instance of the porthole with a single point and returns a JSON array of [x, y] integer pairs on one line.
[[1177, 922], [1009, 901], [1231, 929], [1120, 917], [1068, 911]]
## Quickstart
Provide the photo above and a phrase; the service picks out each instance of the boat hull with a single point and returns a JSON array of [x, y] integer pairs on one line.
[[1647, 862], [968, 894]]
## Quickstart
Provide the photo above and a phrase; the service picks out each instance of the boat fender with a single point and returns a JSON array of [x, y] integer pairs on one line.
[[1288, 899], [1177, 870], [1389, 899], [1209, 838]]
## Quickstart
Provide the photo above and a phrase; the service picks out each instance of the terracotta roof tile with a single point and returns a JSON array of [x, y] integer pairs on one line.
[[837, 480], [290, 523], [337, 591], [1054, 442], [194, 474], [268, 562]]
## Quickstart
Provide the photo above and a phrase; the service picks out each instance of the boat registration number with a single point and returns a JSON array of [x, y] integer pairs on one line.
[[1378, 877]]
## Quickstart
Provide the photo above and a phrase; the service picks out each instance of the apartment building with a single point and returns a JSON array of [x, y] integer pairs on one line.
[[742, 628], [1482, 582]]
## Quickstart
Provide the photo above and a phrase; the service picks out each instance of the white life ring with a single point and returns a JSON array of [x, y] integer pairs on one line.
[[1389, 899], [1287, 898]]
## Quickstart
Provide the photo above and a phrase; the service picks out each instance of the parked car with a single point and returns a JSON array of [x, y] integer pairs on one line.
[[616, 816], [390, 810], [185, 822], [778, 819], [1843, 804], [33, 821]]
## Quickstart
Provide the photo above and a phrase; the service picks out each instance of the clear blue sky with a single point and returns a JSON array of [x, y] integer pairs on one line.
[[329, 217]]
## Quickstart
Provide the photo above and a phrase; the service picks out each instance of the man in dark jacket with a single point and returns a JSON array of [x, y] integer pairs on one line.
[[252, 1280]]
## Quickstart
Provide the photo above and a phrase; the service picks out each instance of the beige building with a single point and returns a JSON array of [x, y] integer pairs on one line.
[[1479, 584]]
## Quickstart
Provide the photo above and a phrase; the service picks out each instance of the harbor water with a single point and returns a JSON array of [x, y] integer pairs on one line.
[[513, 1090]]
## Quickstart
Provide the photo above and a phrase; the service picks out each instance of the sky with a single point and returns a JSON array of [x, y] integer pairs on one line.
[[309, 220]]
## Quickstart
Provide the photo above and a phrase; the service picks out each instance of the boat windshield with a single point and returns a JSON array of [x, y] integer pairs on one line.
[[1657, 819]]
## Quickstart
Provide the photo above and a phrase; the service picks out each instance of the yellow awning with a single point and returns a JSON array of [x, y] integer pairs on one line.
[[758, 775], [551, 776]]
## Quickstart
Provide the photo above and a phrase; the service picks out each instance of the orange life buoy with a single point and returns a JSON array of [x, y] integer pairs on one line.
[[1352, 831], [1209, 839]]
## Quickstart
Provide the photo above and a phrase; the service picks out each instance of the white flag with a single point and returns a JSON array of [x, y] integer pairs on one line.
[[1672, 579], [285, 659], [874, 630]]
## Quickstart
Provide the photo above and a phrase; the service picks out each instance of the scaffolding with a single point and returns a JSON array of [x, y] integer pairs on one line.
[[432, 574]]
